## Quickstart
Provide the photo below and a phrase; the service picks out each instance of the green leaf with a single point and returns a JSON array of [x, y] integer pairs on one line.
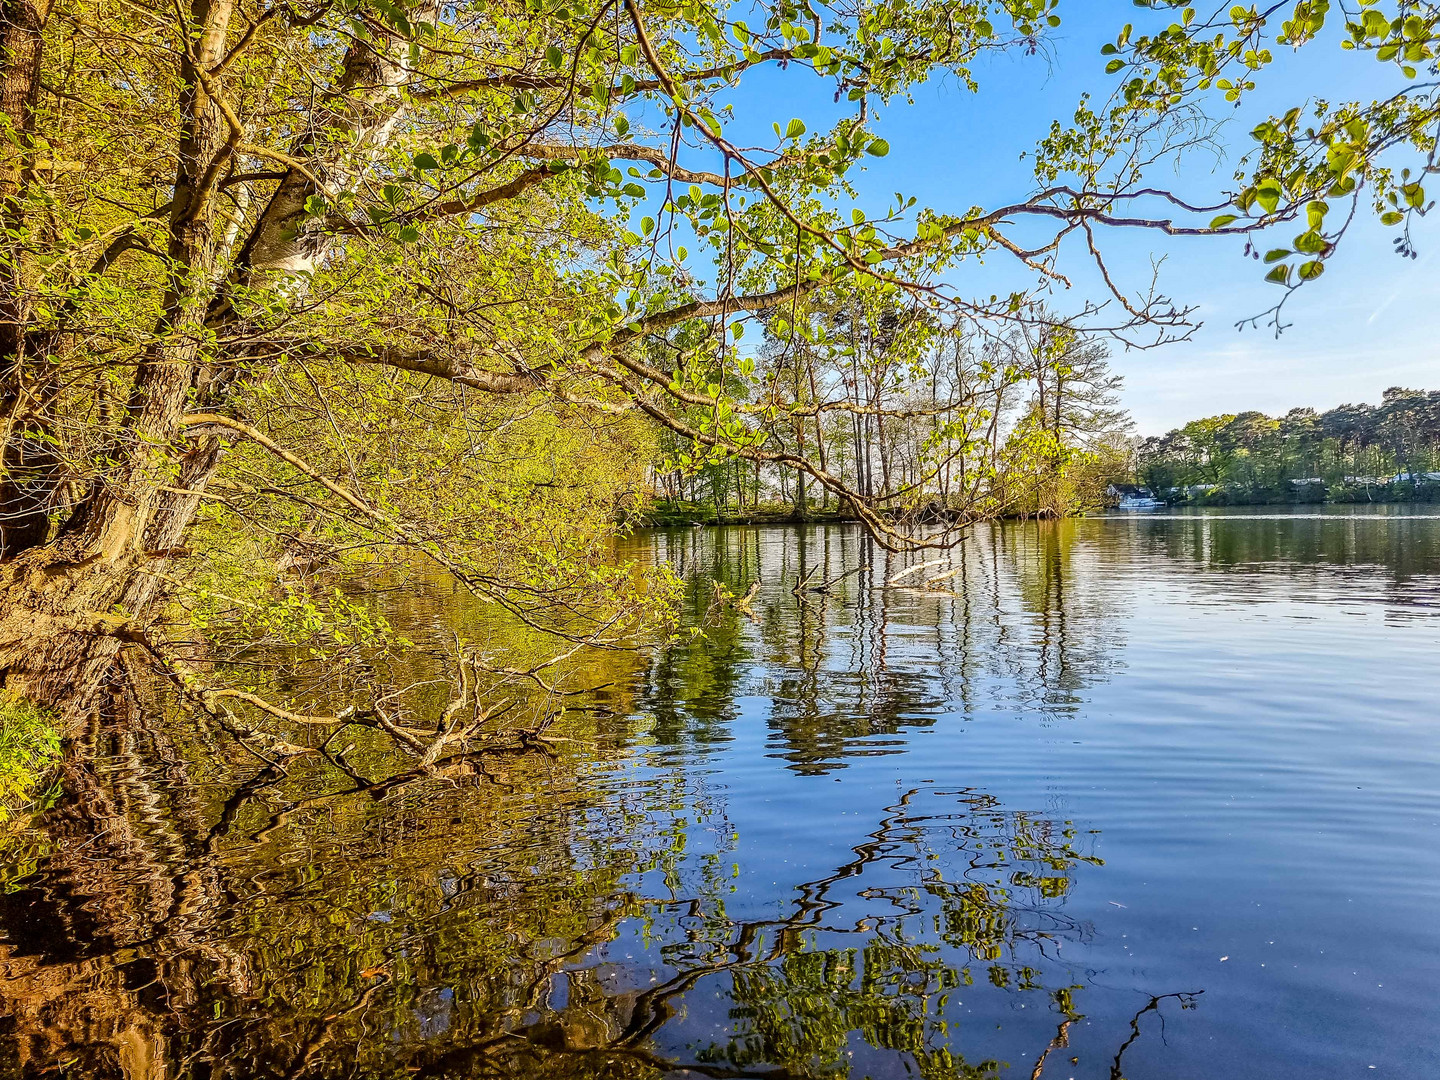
[[1267, 194], [1309, 271], [1276, 254], [426, 160], [554, 57], [1280, 275], [878, 148], [1223, 220], [795, 129]]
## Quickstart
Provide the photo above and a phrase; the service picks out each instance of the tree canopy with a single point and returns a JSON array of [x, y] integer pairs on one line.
[[1347, 452], [374, 282]]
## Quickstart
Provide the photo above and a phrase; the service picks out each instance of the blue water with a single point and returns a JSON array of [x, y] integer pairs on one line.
[[1236, 713], [1152, 796]]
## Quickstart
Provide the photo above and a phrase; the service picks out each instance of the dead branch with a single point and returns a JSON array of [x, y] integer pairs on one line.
[[913, 570]]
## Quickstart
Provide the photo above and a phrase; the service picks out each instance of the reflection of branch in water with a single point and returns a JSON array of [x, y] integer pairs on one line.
[[448, 768], [317, 1041], [1187, 1001], [754, 946], [1062, 1036], [803, 586], [1059, 1042]]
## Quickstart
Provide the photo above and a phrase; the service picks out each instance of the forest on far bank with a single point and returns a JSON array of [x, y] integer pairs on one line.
[[1352, 453], [1045, 438]]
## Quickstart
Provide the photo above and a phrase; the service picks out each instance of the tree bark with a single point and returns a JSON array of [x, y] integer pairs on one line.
[[66, 607], [27, 465]]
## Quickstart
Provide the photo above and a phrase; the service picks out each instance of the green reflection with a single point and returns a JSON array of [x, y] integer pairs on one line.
[[585, 912]]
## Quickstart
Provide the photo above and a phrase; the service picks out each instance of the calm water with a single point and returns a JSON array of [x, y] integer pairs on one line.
[[1141, 796]]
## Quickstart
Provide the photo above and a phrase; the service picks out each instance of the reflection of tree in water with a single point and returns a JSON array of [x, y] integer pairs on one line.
[[565, 915], [185, 921], [1376, 557], [1067, 601], [965, 890], [1017, 623], [468, 924]]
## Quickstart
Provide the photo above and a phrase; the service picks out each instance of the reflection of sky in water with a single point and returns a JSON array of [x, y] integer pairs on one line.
[[1109, 777], [1237, 708]]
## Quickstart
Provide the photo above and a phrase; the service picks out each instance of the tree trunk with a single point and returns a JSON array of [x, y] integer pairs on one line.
[[27, 464], [67, 607]]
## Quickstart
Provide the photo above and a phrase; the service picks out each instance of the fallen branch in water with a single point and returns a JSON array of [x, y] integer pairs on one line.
[[803, 587], [449, 733], [802, 584], [914, 570], [938, 578], [725, 598]]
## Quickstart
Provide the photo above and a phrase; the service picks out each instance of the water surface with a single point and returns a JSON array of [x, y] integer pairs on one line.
[[1152, 796]]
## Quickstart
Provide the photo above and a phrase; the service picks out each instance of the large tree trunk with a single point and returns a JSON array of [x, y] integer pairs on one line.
[[27, 464], [67, 606]]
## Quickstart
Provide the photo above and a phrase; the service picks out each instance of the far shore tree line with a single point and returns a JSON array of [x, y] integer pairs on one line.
[[877, 401], [1352, 453]]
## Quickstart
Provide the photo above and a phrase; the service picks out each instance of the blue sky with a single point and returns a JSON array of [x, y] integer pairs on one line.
[[1368, 324]]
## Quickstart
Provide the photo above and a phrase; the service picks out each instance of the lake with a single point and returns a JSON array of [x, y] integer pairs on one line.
[[1144, 796]]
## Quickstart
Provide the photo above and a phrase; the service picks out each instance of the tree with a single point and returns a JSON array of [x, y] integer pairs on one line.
[[1304, 455], [207, 206], [1355, 154]]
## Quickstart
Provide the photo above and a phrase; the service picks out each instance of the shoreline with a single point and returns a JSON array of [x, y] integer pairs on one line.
[[696, 516]]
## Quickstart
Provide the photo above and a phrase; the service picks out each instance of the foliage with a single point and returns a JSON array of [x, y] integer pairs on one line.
[[1351, 452], [29, 747], [1320, 163]]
